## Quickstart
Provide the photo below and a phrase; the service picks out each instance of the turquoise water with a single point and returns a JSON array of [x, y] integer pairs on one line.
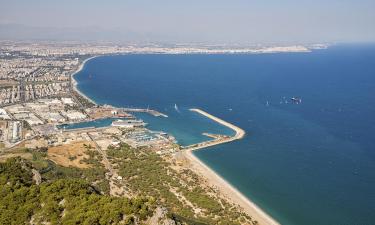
[[186, 126], [93, 123], [311, 163]]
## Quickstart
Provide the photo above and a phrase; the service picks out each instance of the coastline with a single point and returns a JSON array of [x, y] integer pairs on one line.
[[226, 189], [214, 179], [74, 82]]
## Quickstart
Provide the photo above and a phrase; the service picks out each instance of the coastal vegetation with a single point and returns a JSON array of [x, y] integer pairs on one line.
[[180, 190], [94, 174], [62, 201], [81, 195], [84, 102]]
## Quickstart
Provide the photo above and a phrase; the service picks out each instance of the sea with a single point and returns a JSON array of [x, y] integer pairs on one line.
[[98, 123], [311, 163]]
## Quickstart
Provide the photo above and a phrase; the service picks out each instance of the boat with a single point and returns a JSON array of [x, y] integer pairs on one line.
[[296, 100], [128, 123]]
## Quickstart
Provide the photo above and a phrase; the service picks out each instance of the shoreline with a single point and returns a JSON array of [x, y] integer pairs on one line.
[[74, 82], [214, 179], [226, 189]]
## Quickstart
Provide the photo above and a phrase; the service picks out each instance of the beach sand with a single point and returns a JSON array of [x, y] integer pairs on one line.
[[75, 83], [225, 188]]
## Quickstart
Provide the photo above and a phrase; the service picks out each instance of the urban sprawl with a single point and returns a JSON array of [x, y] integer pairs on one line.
[[38, 99]]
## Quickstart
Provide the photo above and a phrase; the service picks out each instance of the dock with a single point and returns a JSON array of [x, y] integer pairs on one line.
[[149, 111]]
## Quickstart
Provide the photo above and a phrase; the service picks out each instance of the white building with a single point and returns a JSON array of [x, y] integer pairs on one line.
[[67, 101], [4, 115], [75, 115], [16, 127]]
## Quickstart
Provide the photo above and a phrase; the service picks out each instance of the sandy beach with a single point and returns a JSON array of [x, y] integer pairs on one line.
[[74, 82], [225, 188]]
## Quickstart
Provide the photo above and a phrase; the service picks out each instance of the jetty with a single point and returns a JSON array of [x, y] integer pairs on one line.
[[218, 139]]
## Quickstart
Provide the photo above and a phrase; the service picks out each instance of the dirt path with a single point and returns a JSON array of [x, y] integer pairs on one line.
[[117, 187]]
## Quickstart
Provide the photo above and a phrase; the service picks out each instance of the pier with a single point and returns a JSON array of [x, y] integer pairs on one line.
[[149, 111]]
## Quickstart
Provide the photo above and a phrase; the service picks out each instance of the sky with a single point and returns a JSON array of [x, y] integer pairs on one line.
[[177, 21]]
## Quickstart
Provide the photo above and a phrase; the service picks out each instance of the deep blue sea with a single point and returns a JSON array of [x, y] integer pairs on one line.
[[305, 164]]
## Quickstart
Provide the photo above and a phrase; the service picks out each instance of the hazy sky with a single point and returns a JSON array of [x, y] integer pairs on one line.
[[216, 21]]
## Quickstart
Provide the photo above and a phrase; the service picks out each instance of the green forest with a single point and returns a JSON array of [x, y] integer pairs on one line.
[[69, 195], [149, 174], [62, 201]]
